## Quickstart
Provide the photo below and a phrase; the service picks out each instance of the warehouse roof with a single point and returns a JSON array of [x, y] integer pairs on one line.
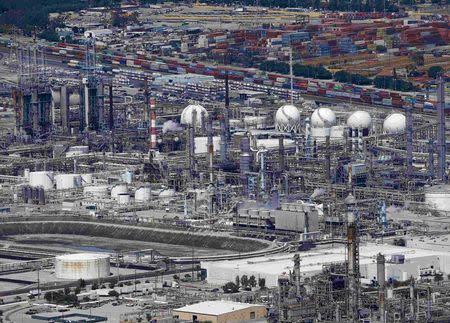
[[215, 307]]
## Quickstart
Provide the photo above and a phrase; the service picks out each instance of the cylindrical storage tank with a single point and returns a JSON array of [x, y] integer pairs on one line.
[[86, 179], [82, 266], [56, 97], [42, 178], [165, 194], [74, 99], [100, 191], [119, 189], [123, 198], [143, 194], [438, 198], [26, 174], [67, 181]]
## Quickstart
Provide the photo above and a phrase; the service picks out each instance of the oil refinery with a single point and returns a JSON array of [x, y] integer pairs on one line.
[[180, 162]]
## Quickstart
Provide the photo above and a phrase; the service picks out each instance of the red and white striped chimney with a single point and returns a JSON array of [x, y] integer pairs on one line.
[[152, 128]]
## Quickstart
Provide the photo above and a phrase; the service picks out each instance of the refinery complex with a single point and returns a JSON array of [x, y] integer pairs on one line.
[[205, 162]]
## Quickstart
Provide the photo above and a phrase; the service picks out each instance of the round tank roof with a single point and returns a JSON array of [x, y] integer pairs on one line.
[[394, 123], [287, 114], [323, 118], [82, 256], [187, 116], [359, 120]]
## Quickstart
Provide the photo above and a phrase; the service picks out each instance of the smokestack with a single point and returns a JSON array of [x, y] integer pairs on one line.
[[281, 154], [111, 108], [245, 161], [353, 259], [327, 159], [64, 109], [152, 128], [297, 274], [409, 141], [227, 107], [381, 277], [210, 149], [442, 163], [223, 141], [431, 158]]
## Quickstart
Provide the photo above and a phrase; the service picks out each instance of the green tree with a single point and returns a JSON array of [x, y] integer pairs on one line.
[[230, 287], [435, 71], [94, 286], [262, 283], [244, 280], [113, 293], [252, 281]]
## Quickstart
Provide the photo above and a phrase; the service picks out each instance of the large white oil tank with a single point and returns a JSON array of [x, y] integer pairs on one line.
[[74, 99], [323, 118], [394, 123], [56, 96], [86, 179], [67, 181], [438, 198], [187, 116], [143, 194], [123, 198], [42, 178], [167, 194], [77, 150], [100, 191], [82, 266], [359, 120], [118, 189]]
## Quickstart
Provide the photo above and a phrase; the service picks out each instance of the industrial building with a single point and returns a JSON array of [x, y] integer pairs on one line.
[[220, 312]]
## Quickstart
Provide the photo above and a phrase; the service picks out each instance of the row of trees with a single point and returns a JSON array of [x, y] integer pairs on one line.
[[318, 72], [244, 282]]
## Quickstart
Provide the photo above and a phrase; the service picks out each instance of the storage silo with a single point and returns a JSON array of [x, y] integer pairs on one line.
[[118, 189], [42, 178], [143, 194], [82, 266]]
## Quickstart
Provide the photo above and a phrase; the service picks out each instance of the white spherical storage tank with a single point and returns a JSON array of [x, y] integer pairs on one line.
[[42, 178], [394, 123], [82, 266], [67, 181], [359, 120], [143, 194], [187, 116], [323, 118], [287, 118]]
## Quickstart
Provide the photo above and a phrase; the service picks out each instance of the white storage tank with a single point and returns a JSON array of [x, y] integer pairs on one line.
[[74, 99], [143, 194], [100, 191], [82, 266], [77, 150], [42, 178], [123, 198], [118, 189], [166, 194], [438, 198], [67, 181]]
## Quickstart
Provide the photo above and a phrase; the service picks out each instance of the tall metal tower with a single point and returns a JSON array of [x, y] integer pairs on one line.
[[91, 106], [353, 259], [32, 98], [441, 142]]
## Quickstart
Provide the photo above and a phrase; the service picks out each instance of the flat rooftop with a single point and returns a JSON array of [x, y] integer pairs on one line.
[[215, 307]]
